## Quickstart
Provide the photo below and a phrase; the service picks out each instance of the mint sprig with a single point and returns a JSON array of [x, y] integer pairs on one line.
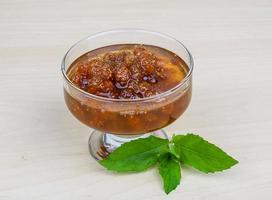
[[141, 154]]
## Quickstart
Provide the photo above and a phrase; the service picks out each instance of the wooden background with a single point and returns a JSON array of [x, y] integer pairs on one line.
[[43, 149]]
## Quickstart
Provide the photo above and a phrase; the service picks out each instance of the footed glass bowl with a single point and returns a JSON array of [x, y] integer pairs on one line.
[[116, 121]]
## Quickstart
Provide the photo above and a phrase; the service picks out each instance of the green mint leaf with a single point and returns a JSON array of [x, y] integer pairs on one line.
[[169, 170], [137, 155], [202, 155]]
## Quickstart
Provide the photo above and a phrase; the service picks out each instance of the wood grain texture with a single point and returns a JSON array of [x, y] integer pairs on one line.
[[43, 149]]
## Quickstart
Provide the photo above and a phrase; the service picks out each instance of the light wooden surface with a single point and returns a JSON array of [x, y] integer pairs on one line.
[[43, 149]]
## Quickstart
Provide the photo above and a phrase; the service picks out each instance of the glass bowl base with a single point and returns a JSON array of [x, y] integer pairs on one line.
[[101, 144]]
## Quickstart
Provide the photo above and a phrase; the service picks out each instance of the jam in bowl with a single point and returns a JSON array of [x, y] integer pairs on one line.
[[126, 84]]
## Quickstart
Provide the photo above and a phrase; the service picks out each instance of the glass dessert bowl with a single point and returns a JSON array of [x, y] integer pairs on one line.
[[126, 84]]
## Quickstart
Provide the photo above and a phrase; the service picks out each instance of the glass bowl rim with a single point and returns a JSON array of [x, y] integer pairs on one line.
[[151, 98]]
